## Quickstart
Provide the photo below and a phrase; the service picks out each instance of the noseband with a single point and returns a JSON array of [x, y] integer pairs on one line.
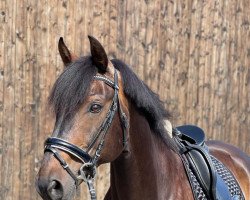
[[88, 169]]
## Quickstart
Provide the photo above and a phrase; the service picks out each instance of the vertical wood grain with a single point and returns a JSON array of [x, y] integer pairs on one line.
[[194, 54]]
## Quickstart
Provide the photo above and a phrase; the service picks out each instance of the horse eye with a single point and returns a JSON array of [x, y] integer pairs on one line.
[[95, 108]]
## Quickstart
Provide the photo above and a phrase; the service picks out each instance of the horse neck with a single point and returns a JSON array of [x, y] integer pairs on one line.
[[145, 169]]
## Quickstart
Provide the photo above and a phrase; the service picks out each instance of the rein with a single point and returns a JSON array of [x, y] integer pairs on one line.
[[87, 171]]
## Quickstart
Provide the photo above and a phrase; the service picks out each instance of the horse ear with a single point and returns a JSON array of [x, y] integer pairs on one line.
[[65, 54], [99, 56]]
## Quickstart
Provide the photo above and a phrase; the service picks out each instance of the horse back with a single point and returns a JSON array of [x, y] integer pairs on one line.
[[235, 160]]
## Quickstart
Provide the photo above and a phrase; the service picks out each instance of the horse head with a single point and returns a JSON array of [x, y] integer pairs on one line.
[[91, 123]]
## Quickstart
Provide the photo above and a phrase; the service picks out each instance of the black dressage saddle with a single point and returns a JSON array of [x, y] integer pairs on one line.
[[209, 178]]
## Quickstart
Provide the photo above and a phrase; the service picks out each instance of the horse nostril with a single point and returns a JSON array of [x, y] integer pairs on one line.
[[55, 190]]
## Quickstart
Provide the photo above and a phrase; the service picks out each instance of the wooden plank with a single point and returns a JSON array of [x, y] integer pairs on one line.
[[142, 31], [113, 17], [121, 30], [207, 85], [241, 68], [80, 31], [3, 27], [245, 97], [133, 25], [26, 151], [214, 69], [52, 65], [40, 83], [150, 69], [8, 103], [193, 72], [230, 28], [19, 101], [179, 72], [163, 44], [70, 24]]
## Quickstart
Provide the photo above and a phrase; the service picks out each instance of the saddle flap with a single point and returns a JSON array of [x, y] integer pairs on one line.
[[201, 165]]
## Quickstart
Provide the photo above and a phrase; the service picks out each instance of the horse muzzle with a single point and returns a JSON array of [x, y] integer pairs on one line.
[[53, 183]]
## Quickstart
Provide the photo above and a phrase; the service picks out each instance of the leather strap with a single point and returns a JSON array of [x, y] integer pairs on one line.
[[67, 147], [62, 162]]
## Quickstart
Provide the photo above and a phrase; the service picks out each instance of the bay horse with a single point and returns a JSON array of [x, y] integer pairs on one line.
[[105, 113]]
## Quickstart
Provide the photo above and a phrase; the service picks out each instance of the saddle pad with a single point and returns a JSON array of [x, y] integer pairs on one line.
[[229, 179]]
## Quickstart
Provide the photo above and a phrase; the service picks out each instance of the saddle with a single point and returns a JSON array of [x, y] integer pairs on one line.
[[209, 178]]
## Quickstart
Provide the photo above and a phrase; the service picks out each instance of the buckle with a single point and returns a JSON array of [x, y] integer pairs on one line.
[[87, 172]]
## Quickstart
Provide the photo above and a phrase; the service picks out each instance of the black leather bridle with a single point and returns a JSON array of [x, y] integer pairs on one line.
[[88, 169]]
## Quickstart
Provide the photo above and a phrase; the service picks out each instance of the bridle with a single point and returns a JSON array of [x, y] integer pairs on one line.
[[87, 171]]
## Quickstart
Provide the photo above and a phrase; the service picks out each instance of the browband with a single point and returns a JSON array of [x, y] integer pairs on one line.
[[107, 81]]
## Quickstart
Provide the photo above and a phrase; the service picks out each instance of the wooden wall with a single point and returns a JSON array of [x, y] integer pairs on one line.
[[195, 54]]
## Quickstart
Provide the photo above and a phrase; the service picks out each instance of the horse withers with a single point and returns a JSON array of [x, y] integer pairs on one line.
[[105, 113]]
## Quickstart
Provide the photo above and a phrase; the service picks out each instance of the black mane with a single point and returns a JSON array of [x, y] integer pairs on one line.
[[147, 102], [71, 87]]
